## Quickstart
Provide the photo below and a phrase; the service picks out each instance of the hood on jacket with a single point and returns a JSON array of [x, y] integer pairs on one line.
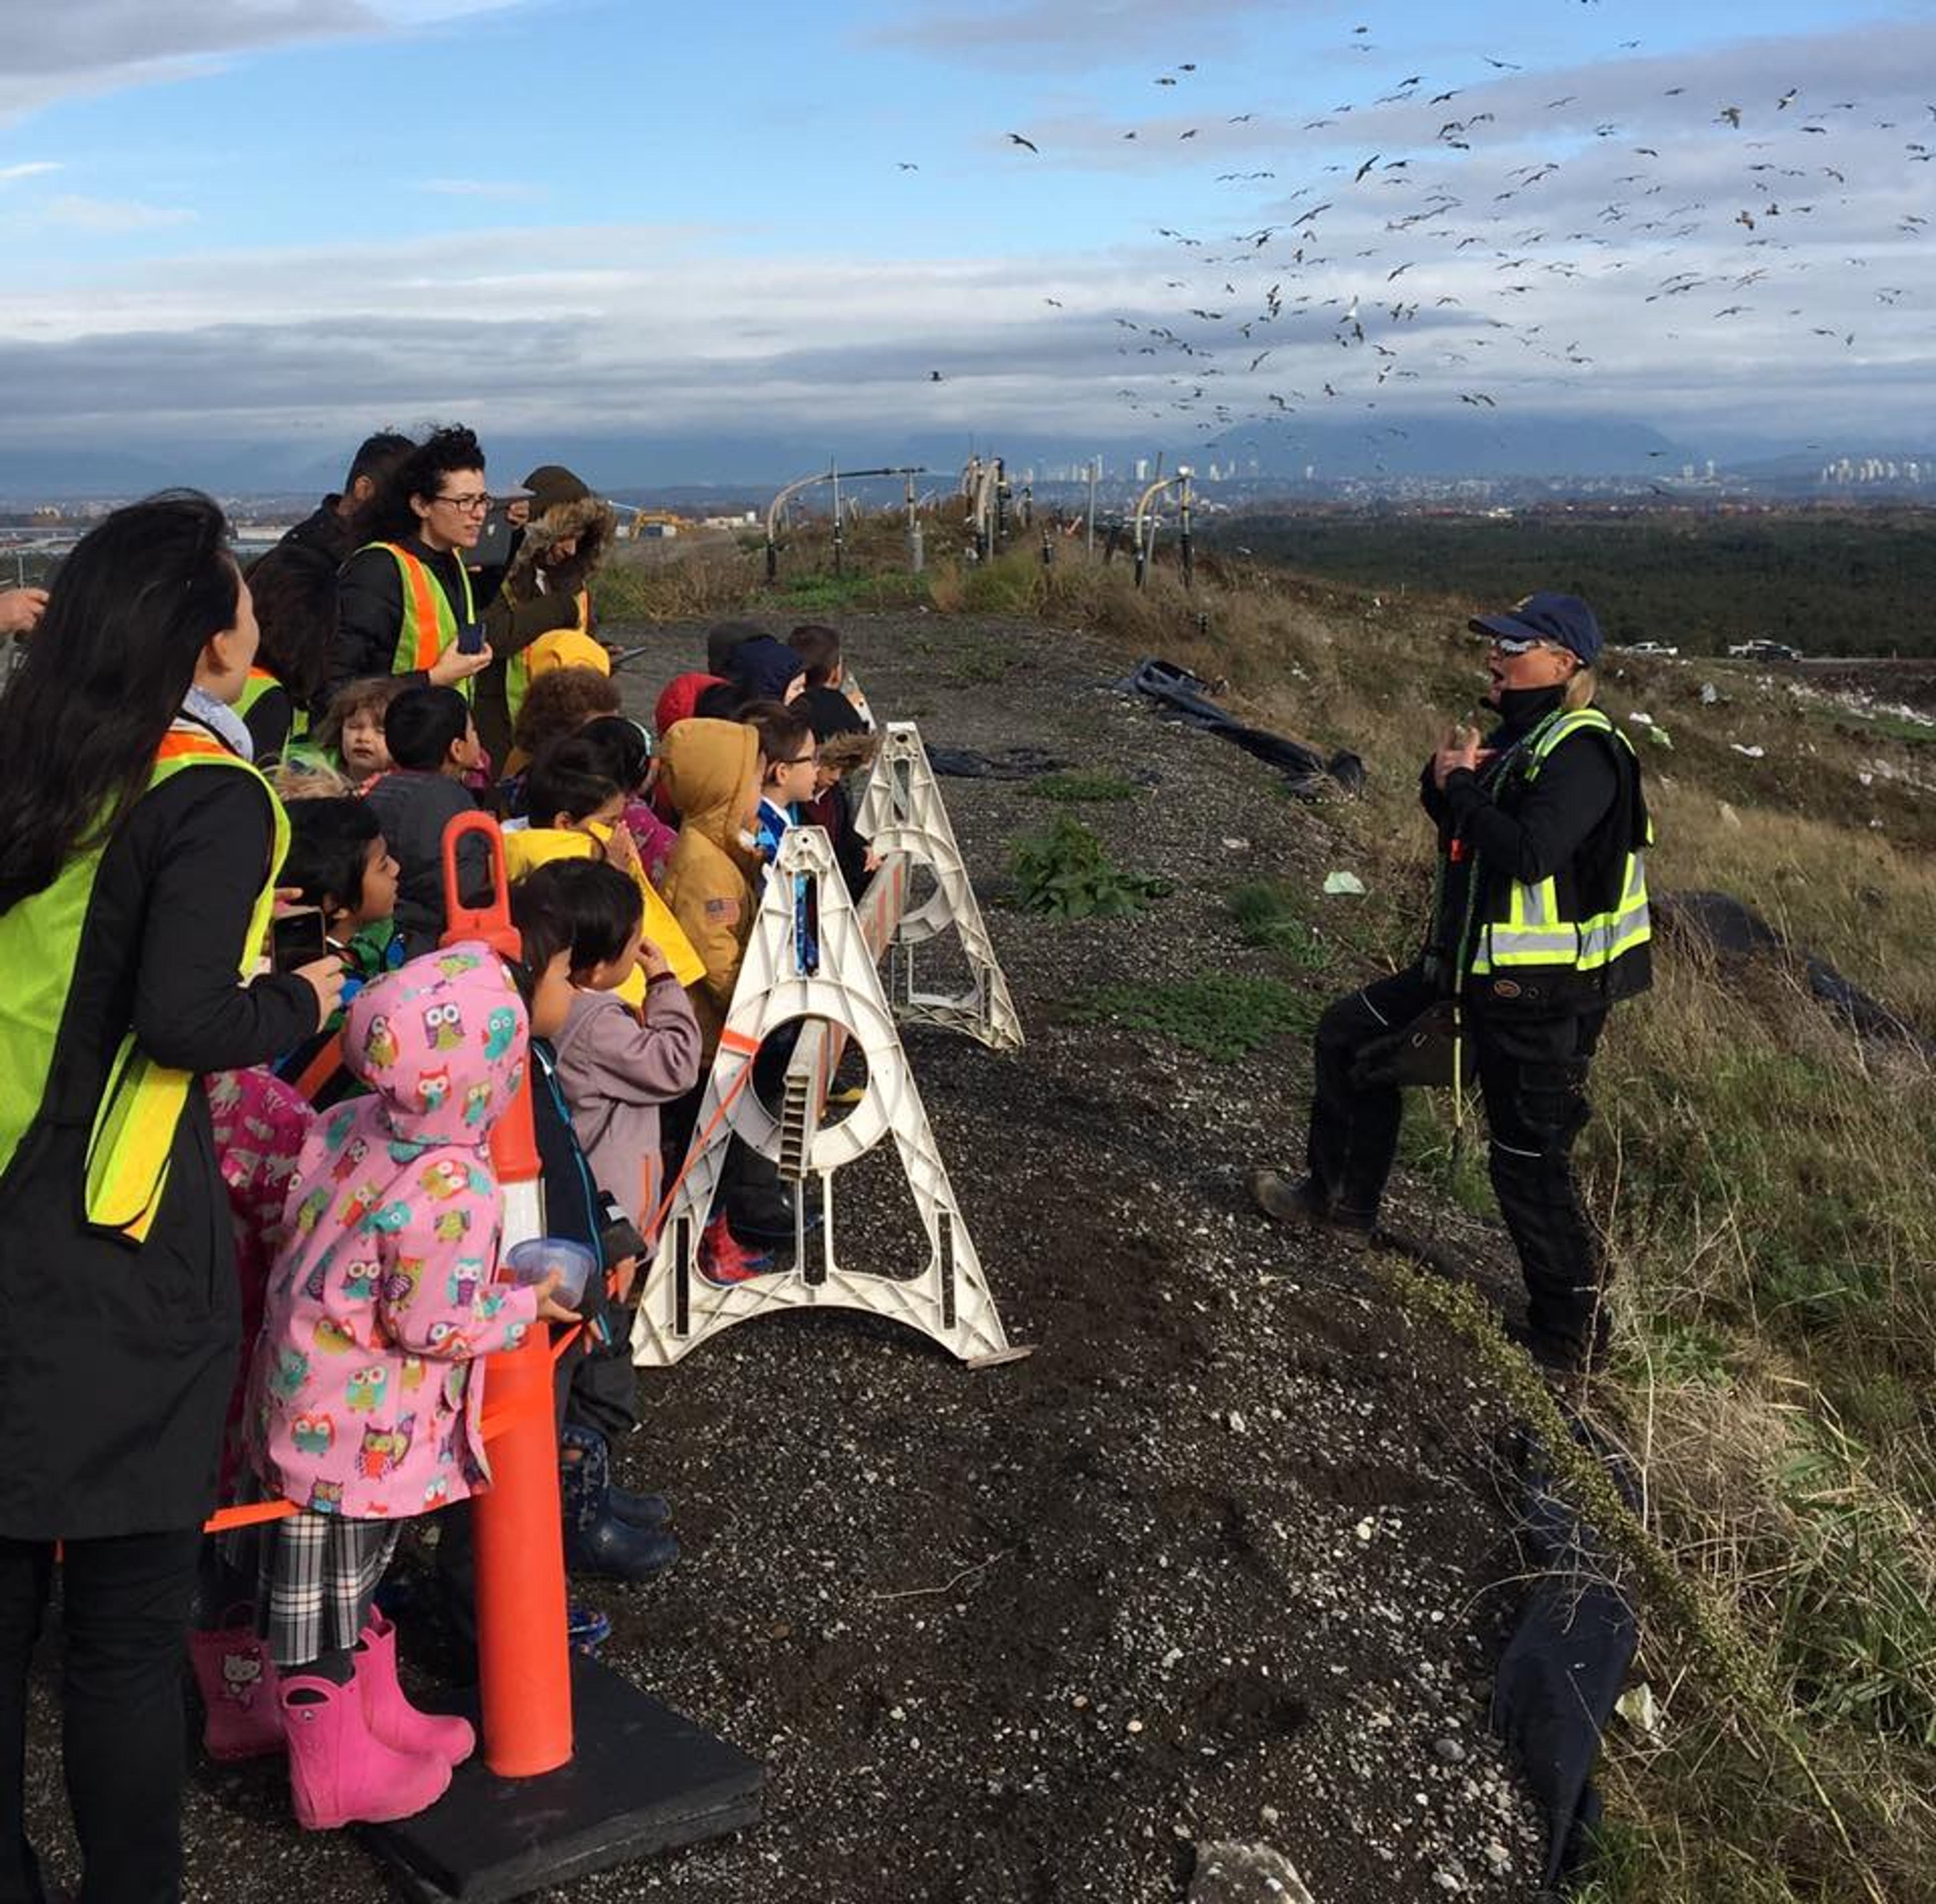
[[724, 636], [561, 506], [708, 769], [441, 1041], [678, 699], [765, 668]]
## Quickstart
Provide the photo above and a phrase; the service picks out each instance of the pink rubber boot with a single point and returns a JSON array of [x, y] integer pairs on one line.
[[394, 1721], [339, 1774], [237, 1682]]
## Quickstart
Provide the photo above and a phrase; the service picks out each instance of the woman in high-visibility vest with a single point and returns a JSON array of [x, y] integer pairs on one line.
[[404, 600], [1539, 925], [294, 591], [138, 850], [547, 595]]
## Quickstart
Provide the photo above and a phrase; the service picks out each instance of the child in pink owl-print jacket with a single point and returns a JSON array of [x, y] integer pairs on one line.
[[364, 1395]]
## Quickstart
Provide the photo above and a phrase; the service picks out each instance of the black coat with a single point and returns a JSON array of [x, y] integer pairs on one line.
[[370, 612], [116, 1362]]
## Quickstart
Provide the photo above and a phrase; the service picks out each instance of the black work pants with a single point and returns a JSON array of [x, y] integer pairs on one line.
[[1532, 1076], [124, 1608]]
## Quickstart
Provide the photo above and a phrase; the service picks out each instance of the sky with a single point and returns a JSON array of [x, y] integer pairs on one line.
[[276, 224]]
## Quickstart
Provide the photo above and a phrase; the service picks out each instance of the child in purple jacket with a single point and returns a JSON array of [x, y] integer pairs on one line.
[[365, 1394]]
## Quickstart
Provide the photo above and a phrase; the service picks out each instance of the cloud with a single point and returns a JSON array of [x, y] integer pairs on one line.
[[74, 212], [1532, 262], [52, 52], [1096, 31], [479, 187], [28, 168]]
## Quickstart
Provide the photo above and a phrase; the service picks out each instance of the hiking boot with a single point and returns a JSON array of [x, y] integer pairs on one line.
[[725, 1259], [1299, 1200], [1559, 1352]]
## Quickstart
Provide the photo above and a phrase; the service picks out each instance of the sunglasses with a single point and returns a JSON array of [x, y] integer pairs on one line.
[[1512, 645]]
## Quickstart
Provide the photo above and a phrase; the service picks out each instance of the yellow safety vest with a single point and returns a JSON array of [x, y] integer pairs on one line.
[[430, 623], [519, 669], [1532, 934], [141, 1103]]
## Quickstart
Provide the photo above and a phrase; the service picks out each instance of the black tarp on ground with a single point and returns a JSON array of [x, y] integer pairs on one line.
[[1735, 931], [1563, 1667], [1184, 696]]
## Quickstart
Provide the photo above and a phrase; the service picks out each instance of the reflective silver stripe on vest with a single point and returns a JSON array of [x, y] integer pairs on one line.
[[1532, 934]]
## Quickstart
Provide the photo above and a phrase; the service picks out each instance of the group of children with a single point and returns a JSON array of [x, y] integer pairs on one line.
[[366, 1212]]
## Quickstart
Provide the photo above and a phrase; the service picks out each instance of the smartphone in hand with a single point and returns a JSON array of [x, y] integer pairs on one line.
[[470, 638], [296, 939]]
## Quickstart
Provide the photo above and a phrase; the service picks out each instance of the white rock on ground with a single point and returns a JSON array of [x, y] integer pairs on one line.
[[1245, 1874]]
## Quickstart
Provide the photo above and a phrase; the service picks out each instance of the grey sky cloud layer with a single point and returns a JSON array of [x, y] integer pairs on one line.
[[1626, 253]]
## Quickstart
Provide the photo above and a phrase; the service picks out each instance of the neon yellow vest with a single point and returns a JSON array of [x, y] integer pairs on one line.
[[1533, 933], [430, 625], [518, 669], [142, 1103], [259, 683]]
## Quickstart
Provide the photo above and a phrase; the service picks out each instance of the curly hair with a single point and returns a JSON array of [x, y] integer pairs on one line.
[[561, 703]]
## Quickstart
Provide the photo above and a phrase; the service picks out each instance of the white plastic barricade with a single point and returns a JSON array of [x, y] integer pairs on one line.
[[946, 1297], [902, 813]]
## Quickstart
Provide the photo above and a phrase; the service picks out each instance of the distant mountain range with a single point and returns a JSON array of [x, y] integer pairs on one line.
[[1495, 445]]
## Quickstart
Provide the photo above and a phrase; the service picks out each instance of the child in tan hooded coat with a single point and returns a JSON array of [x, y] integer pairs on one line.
[[711, 771]]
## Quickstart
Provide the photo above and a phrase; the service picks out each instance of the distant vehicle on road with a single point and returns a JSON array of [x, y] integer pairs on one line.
[[1763, 650], [1650, 648]]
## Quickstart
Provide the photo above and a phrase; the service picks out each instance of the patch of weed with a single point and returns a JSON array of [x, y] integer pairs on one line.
[[1065, 872], [1429, 1145], [982, 669], [824, 593], [1270, 913], [1225, 1015], [1076, 787], [1679, 1352]]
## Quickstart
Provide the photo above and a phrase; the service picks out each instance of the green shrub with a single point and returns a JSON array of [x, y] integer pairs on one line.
[[1224, 1015], [1268, 913], [1065, 872]]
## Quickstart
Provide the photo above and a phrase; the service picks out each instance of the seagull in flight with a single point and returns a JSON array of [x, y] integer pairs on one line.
[[1016, 138]]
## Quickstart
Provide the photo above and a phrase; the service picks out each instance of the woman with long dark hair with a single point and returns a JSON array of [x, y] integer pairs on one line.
[[138, 850]]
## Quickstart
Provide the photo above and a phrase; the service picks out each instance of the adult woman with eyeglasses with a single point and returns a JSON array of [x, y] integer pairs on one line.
[[1539, 923], [404, 600]]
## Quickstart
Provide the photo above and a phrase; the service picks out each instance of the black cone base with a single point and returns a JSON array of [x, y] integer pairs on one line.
[[641, 1780]]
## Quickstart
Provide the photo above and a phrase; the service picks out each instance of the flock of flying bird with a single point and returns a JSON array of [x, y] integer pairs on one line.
[[1430, 260]]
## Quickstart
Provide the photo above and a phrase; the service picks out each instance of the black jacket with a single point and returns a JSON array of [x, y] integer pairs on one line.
[[324, 533], [370, 612], [1574, 823], [119, 1360]]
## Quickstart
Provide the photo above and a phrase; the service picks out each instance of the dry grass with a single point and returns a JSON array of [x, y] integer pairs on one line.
[[1763, 1177]]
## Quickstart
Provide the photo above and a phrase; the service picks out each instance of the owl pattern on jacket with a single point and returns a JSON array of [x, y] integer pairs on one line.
[[365, 1392]]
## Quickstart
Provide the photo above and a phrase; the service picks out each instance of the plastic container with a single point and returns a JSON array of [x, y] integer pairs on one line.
[[533, 1261]]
